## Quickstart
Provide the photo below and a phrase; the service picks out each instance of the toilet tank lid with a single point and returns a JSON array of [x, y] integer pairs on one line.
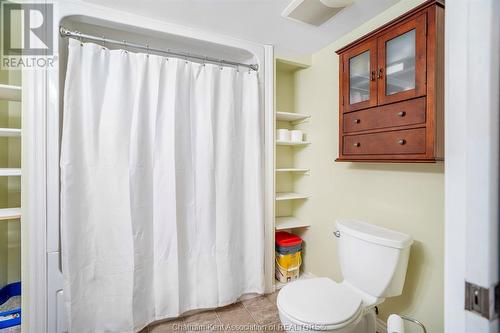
[[374, 234]]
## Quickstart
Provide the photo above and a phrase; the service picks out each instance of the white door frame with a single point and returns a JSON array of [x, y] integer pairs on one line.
[[34, 202], [472, 157]]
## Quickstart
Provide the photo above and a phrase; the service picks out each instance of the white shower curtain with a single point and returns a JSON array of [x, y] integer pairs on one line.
[[161, 188]]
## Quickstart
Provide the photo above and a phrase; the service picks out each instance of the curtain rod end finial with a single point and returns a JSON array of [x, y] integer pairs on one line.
[[63, 31]]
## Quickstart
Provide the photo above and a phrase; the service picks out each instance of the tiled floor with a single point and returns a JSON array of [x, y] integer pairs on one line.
[[258, 314]]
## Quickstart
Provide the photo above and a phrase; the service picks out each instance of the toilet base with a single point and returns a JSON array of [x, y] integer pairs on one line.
[[367, 323]]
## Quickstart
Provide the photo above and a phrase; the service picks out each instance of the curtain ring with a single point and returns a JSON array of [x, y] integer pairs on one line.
[[204, 61], [168, 51], [103, 43], [125, 46], [80, 38], [186, 57], [220, 64], [147, 50]]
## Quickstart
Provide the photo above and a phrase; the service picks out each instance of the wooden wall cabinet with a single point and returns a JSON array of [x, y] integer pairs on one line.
[[392, 90]]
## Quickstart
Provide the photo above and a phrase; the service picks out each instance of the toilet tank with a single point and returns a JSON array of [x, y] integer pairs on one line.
[[373, 259]]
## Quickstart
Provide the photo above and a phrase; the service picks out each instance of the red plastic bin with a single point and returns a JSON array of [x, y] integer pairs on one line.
[[287, 242]]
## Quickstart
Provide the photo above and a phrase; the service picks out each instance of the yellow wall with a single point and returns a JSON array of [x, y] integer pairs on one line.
[[404, 197], [14, 185], [4, 115]]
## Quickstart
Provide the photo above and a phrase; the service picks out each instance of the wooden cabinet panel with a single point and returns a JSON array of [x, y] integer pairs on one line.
[[386, 143], [398, 114], [402, 61], [399, 118], [359, 83]]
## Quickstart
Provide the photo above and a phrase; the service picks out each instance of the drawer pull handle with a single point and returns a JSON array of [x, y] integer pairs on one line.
[[402, 141], [357, 121], [357, 144], [373, 76], [402, 113]]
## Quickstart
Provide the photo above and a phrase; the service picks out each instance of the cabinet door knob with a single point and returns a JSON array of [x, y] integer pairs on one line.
[[401, 141], [380, 72], [357, 121], [357, 144], [402, 113]]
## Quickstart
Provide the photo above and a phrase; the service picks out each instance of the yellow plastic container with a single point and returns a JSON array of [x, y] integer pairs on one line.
[[289, 261], [286, 275]]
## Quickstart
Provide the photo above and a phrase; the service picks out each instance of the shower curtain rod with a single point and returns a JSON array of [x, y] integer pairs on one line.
[[68, 33]]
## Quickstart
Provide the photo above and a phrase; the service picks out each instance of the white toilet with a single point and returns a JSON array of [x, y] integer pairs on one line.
[[373, 261]]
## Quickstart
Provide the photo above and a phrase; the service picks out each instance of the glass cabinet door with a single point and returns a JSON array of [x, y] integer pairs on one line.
[[358, 79], [402, 64]]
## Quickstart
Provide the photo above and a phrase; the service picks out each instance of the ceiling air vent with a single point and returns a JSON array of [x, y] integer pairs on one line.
[[314, 12]]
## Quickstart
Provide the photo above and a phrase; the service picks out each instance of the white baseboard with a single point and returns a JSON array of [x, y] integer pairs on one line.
[[381, 326]]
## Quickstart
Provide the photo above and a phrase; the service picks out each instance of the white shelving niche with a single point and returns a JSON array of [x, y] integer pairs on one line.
[[288, 166], [10, 93], [11, 223]]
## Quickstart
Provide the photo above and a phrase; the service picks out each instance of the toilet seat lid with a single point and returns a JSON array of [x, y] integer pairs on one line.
[[319, 301]]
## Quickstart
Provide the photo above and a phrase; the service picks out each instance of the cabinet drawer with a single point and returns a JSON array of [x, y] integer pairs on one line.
[[398, 114], [394, 142]]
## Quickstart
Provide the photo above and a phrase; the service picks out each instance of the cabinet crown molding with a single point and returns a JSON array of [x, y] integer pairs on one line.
[[391, 23]]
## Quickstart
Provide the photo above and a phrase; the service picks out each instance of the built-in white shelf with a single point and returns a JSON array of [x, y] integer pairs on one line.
[[10, 172], [10, 132], [289, 222], [292, 170], [10, 93], [10, 213], [289, 143], [291, 116], [281, 196]]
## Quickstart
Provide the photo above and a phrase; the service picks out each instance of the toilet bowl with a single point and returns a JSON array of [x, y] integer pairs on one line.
[[373, 261]]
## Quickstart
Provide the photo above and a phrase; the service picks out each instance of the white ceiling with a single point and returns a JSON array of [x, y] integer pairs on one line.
[[255, 20]]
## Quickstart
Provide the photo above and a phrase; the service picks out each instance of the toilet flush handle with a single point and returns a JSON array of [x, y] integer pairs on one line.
[[337, 233]]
